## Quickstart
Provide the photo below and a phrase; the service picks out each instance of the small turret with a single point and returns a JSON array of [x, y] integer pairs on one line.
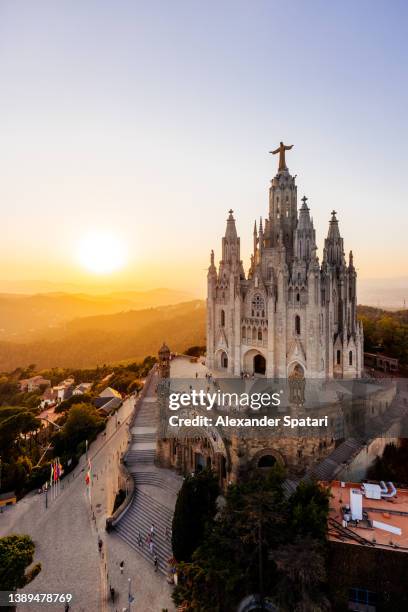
[[164, 361], [351, 261]]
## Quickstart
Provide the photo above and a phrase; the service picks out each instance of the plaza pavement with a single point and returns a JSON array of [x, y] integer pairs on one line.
[[66, 536]]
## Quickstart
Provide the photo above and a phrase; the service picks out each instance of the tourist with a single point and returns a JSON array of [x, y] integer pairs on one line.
[[151, 546], [156, 563], [121, 565], [152, 530], [139, 540]]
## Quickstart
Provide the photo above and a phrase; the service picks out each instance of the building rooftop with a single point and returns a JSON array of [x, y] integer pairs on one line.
[[384, 520]]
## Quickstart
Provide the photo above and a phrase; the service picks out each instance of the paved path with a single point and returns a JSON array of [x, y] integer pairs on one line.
[[66, 536]]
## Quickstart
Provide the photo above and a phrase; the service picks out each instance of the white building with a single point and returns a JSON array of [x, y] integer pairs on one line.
[[290, 315]]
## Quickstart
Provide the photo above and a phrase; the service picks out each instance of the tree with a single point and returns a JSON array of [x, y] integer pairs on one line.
[[83, 423], [301, 576], [195, 506], [65, 405], [232, 560], [196, 351], [16, 554], [308, 510], [243, 550]]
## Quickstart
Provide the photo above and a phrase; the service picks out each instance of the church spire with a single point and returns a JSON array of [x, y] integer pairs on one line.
[[231, 231], [333, 245], [231, 242]]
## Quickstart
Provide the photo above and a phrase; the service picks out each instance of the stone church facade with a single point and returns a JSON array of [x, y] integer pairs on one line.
[[290, 317], [291, 314]]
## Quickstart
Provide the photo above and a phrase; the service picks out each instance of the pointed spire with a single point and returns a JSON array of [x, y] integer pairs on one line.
[[231, 231], [304, 205], [334, 243], [212, 270], [334, 232], [351, 260], [255, 229], [304, 216]]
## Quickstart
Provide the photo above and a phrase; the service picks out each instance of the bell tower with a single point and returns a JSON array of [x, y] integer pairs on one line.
[[282, 207]]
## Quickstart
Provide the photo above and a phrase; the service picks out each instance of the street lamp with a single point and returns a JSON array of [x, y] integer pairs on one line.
[[130, 596]]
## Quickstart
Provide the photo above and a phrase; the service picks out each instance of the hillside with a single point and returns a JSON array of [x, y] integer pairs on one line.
[[96, 340], [386, 331], [87, 341], [30, 317]]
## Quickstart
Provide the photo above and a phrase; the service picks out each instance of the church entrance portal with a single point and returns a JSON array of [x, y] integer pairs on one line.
[[224, 360], [259, 364], [266, 461], [200, 462]]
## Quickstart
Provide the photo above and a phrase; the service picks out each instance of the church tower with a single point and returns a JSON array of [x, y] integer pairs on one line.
[[289, 314]]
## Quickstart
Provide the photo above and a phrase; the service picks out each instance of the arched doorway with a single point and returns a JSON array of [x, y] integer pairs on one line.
[[224, 360], [259, 364], [200, 462], [266, 461]]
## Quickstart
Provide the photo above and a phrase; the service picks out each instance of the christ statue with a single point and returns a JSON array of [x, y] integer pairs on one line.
[[281, 150]]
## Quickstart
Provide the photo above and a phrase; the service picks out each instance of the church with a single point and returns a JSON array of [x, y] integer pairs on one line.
[[290, 315]]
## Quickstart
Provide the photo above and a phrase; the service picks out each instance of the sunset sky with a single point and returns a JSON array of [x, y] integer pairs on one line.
[[137, 125]]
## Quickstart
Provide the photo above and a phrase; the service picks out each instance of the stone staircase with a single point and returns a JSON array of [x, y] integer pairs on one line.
[[329, 467], [140, 456], [138, 519], [151, 485]]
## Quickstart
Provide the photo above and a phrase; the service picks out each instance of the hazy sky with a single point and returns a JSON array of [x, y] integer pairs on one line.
[[149, 120]]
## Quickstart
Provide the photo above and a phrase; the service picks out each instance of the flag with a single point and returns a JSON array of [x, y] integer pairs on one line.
[[55, 471], [88, 477], [52, 473]]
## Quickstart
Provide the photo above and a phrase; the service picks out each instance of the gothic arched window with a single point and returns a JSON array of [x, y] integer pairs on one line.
[[259, 334], [338, 357], [222, 318], [297, 325], [258, 306], [351, 358]]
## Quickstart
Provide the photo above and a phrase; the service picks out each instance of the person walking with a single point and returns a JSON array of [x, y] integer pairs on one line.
[[152, 530], [151, 546], [139, 540], [112, 593], [156, 563], [121, 565]]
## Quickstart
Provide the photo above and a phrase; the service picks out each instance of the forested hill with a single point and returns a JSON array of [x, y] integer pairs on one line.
[[91, 341], [386, 331]]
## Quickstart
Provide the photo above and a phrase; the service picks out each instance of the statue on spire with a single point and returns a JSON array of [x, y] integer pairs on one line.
[[281, 150]]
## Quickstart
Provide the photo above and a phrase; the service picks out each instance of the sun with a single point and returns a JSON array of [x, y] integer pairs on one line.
[[101, 252]]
